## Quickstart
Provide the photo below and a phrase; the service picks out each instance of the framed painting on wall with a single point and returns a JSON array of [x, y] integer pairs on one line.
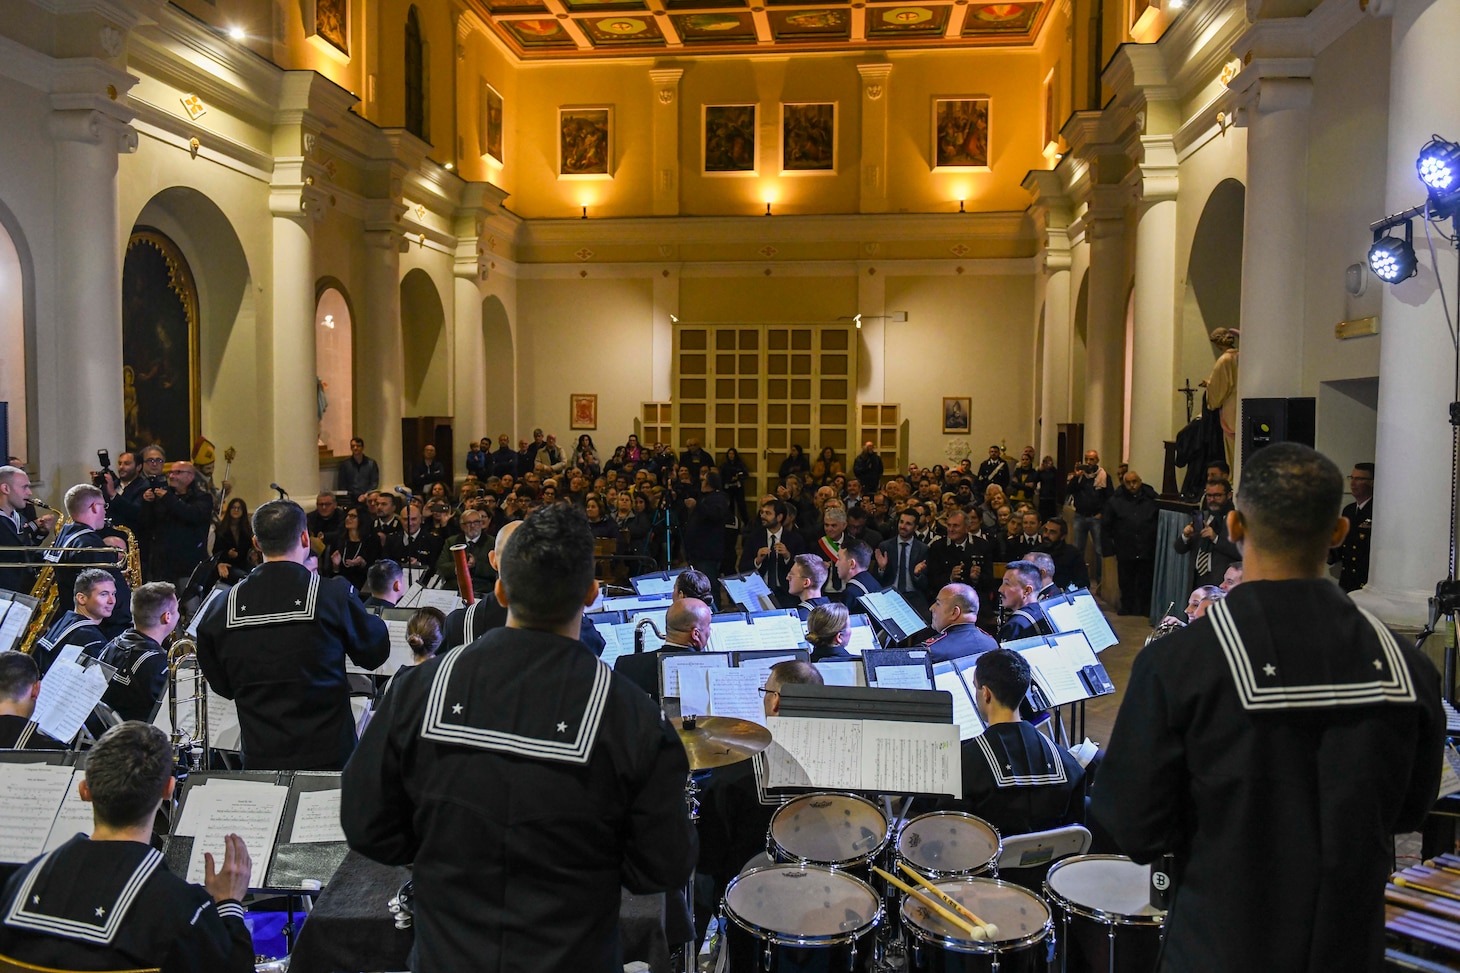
[[494, 123], [161, 395], [728, 136], [585, 142], [808, 138], [583, 411], [955, 413], [327, 22], [961, 134]]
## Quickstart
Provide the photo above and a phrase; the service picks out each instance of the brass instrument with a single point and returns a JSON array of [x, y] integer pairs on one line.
[[44, 590], [1162, 630], [132, 570], [191, 745], [639, 626]]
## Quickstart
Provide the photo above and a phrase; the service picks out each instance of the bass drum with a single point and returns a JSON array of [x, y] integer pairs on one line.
[[1105, 918], [798, 919], [1022, 943], [945, 844], [841, 831]]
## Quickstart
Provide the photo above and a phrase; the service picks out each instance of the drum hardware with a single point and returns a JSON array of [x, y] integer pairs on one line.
[[970, 924], [1021, 919], [401, 905], [830, 829], [949, 844], [1106, 919], [799, 917]]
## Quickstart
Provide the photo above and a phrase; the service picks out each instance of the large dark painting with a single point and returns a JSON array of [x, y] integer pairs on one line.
[[159, 345]]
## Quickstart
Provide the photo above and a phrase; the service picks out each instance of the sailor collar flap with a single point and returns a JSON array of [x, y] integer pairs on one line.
[[96, 920], [266, 601], [1002, 763]]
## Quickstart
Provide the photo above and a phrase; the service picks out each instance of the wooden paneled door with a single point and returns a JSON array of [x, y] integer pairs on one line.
[[761, 388]]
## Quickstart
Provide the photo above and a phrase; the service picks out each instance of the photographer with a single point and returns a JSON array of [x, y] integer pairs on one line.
[[124, 486], [1089, 489], [175, 519]]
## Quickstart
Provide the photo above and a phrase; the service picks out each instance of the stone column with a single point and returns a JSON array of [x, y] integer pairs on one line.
[[469, 271], [874, 136], [1154, 348], [666, 308], [666, 140], [1105, 324], [82, 407], [380, 368], [1416, 360], [1051, 208], [295, 206]]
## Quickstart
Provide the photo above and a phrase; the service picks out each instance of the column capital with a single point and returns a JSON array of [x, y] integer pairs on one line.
[[93, 127], [874, 79], [1158, 172], [293, 193], [1051, 211], [666, 83]]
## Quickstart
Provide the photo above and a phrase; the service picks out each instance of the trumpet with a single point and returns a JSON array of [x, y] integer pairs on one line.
[[191, 745]]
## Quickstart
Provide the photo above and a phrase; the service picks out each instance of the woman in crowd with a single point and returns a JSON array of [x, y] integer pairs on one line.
[[616, 462], [795, 462], [829, 630], [438, 491], [1048, 479], [633, 452], [733, 475], [233, 542], [638, 527], [351, 552], [581, 451], [1024, 481], [599, 522], [825, 467]]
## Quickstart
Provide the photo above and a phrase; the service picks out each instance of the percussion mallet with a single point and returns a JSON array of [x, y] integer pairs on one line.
[[958, 922], [988, 927]]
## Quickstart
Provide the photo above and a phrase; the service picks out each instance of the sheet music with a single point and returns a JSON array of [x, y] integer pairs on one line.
[[911, 758], [74, 818], [902, 677], [634, 604], [658, 614], [1082, 614], [694, 692], [214, 593], [814, 753], [862, 640], [842, 673], [617, 640], [223, 731], [1059, 681], [761, 664], [895, 608], [1075, 649], [750, 591], [736, 692], [445, 599], [671, 666], [964, 713], [68, 693], [317, 817], [249, 809], [400, 651], [779, 631], [733, 635], [653, 584], [33, 795], [17, 617]]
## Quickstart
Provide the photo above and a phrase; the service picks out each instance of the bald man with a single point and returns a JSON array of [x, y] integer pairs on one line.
[[954, 612], [176, 522], [687, 629]]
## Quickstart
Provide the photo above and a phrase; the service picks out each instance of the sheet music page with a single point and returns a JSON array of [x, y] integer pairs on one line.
[[317, 817], [658, 614], [1094, 623], [862, 639], [634, 603], [902, 677], [214, 593], [17, 617], [736, 589], [734, 635], [445, 599], [694, 692], [735, 692], [671, 666], [761, 664], [33, 795], [1075, 649], [75, 816], [400, 652], [965, 716], [911, 758], [842, 673], [1060, 683], [779, 631], [68, 693], [896, 609], [223, 731], [814, 753], [249, 809], [617, 640], [653, 584]]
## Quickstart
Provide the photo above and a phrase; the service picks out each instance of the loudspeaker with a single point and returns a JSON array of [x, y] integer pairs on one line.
[[1268, 421]]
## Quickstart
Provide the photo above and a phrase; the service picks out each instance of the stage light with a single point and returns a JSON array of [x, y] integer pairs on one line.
[[1392, 259], [1439, 165]]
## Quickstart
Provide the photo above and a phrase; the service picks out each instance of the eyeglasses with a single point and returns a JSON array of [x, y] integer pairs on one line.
[[152, 459], [764, 692], [1353, 476]]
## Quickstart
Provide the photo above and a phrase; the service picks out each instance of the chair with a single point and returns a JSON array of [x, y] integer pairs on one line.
[[604, 548], [1025, 858]]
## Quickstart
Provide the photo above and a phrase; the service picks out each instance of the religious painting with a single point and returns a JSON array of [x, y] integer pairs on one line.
[[907, 22], [1049, 122], [960, 134], [160, 391], [585, 142], [722, 27], [539, 32], [494, 123], [729, 139], [583, 410], [808, 138], [622, 30], [515, 6], [956, 410], [329, 21], [999, 18], [811, 25]]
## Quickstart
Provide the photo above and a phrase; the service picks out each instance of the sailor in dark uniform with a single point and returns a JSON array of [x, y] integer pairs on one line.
[[852, 563], [1353, 554], [1275, 746], [804, 581], [1015, 777], [686, 629], [526, 781], [20, 684], [108, 902], [277, 645], [138, 656], [384, 584], [1019, 592], [466, 625], [18, 529], [960, 557], [86, 505], [96, 595], [955, 612]]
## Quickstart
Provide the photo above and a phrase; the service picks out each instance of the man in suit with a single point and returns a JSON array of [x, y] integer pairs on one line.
[[1207, 533], [1353, 553], [770, 550], [902, 561], [687, 629]]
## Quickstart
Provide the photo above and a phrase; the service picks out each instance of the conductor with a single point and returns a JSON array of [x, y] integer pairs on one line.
[[277, 646], [1275, 746], [525, 780]]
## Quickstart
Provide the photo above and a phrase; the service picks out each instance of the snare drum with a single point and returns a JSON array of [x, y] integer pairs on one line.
[[786, 918], [835, 830], [1106, 921], [1021, 945], [945, 844]]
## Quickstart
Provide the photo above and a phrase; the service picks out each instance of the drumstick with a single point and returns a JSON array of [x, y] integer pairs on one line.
[[1449, 869], [1403, 882], [988, 927], [957, 921]]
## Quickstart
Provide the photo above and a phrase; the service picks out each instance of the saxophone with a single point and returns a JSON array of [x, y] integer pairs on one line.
[[44, 591], [133, 569]]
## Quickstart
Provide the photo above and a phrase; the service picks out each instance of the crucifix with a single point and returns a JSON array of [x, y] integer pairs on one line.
[[1189, 392]]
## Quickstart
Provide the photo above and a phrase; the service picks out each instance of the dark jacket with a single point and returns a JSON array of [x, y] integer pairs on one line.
[[1130, 524], [357, 478], [704, 527], [177, 525]]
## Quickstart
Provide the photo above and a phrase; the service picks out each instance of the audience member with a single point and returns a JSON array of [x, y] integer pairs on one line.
[[350, 553], [1207, 533], [176, 521], [465, 625], [478, 546], [1130, 534], [1090, 486], [769, 549], [902, 561], [358, 475], [1352, 555]]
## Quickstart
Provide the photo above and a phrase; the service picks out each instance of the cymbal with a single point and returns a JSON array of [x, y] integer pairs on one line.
[[718, 741]]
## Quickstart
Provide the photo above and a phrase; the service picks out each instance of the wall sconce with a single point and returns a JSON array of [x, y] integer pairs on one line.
[[768, 207]]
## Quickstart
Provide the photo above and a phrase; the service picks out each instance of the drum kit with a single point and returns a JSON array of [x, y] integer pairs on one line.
[[830, 900]]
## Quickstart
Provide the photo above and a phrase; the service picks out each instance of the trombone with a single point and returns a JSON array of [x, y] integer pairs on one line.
[[191, 744]]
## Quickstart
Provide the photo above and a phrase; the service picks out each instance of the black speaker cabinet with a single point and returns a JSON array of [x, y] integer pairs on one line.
[[1268, 421]]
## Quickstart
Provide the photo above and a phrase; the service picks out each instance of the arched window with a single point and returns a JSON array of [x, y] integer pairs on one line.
[[416, 107]]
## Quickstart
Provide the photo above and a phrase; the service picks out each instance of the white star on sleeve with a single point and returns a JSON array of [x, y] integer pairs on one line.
[[1379, 665], [1270, 669], [100, 912], [456, 710], [562, 728]]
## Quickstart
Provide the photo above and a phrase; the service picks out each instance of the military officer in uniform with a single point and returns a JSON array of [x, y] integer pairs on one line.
[[277, 644], [1353, 554], [955, 612], [20, 684], [526, 782], [108, 902], [1019, 593], [995, 469], [959, 558]]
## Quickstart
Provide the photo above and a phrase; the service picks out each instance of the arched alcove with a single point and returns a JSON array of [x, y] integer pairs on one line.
[[423, 332], [333, 349], [16, 295], [1213, 295], [499, 373], [1077, 350]]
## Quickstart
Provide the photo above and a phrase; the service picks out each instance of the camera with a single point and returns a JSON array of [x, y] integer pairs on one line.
[[104, 459], [100, 478]]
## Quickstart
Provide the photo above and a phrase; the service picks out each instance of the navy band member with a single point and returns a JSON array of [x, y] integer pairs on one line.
[[86, 506], [108, 902], [92, 604], [1276, 746], [20, 684], [954, 614], [277, 646], [852, 563], [525, 781], [138, 655], [18, 530], [1019, 592], [686, 629]]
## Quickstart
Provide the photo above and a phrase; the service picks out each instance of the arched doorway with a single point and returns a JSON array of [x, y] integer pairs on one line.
[[499, 372], [15, 294], [334, 365], [423, 331], [1213, 296]]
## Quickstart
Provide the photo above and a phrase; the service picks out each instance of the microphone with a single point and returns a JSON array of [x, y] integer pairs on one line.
[[282, 494], [404, 492]]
